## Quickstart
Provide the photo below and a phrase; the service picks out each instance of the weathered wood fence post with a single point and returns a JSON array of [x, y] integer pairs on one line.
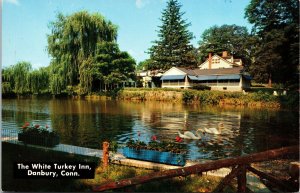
[[105, 154], [242, 179]]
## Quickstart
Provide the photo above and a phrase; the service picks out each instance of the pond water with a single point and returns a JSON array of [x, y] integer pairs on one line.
[[88, 123]]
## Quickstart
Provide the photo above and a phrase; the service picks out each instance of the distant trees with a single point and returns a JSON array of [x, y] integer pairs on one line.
[[146, 65], [84, 51], [21, 79], [276, 24], [232, 38], [173, 48]]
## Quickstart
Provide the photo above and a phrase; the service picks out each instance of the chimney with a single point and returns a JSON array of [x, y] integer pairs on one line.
[[224, 54], [209, 60]]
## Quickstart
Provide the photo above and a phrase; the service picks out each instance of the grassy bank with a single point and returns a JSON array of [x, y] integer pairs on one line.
[[254, 98], [144, 94], [192, 183]]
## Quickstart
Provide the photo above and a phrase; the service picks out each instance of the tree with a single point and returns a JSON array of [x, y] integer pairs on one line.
[[276, 23], [232, 38], [72, 41], [38, 80], [144, 65], [110, 66], [21, 73], [173, 47], [21, 79], [7, 80]]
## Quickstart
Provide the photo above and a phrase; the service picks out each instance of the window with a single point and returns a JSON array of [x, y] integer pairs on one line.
[[216, 61]]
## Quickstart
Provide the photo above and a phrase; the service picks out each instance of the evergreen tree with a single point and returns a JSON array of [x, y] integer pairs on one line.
[[173, 47]]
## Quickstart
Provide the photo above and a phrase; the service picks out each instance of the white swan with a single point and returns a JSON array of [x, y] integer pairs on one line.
[[189, 135], [215, 131]]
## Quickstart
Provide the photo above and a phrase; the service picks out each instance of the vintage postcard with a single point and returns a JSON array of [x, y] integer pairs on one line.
[[150, 96]]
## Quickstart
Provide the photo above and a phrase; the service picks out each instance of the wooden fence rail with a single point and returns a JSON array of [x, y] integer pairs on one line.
[[240, 171]]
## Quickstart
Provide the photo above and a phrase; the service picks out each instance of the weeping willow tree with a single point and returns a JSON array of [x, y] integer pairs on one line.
[[7, 80], [87, 72], [21, 72], [21, 79], [38, 80], [72, 41]]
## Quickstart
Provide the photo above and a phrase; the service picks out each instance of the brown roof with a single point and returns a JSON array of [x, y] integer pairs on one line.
[[219, 71]]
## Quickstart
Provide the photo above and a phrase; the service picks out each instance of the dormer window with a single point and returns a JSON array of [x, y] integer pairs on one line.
[[216, 61]]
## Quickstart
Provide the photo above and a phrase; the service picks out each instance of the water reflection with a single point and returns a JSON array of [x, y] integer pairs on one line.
[[88, 123]]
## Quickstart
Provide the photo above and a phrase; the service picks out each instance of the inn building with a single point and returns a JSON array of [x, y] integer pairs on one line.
[[217, 72]]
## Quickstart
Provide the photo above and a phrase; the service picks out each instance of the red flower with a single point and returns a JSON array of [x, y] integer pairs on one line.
[[27, 124], [178, 139], [37, 126], [47, 126], [153, 138]]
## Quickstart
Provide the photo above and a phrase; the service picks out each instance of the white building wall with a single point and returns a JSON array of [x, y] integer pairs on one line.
[[174, 71], [222, 63]]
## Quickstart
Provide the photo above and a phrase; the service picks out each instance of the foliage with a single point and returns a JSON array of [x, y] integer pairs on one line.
[[113, 146], [112, 65], [187, 96], [173, 47], [276, 23], [6, 88], [38, 80], [192, 183], [72, 41], [232, 38], [20, 79], [7, 80], [145, 65], [201, 87], [38, 135], [37, 130], [85, 52], [20, 74], [158, 146]]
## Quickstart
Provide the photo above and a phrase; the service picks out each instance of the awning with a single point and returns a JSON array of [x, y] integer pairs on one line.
[[229, 77], [172, 77], [193, 77], [219, 77], [209, 77]]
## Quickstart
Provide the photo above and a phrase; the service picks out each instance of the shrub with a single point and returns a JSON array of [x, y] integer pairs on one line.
[[187, 96], [201, 87]]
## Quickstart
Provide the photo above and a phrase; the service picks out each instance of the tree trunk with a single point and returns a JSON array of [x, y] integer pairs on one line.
[[270, 81]]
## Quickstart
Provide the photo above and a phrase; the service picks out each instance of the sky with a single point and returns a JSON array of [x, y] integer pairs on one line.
[[25, 23]]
